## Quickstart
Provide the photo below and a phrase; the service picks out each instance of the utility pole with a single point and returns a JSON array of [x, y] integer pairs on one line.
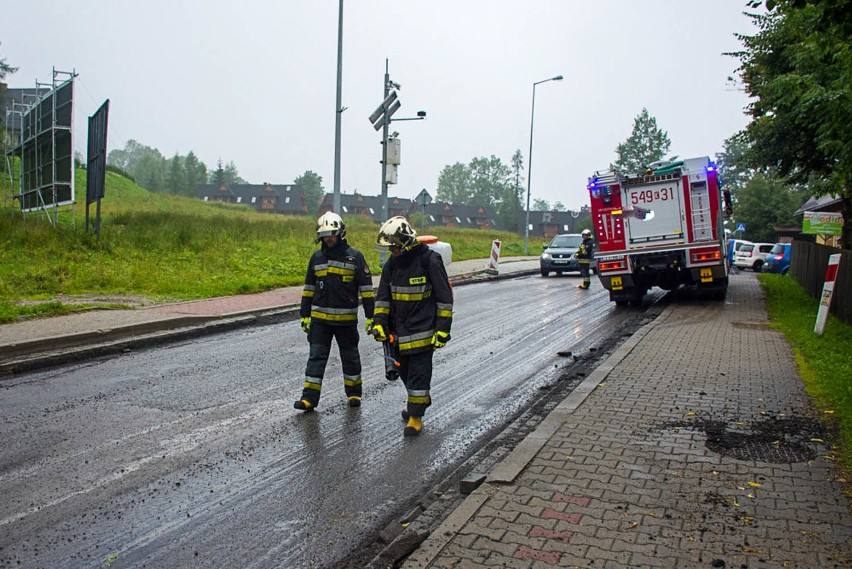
[[338, 111]]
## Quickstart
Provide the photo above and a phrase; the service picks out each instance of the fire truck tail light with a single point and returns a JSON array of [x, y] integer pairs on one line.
[[612, 265], [704, 256]]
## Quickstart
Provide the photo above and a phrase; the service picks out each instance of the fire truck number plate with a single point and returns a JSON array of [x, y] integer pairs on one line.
[[616, 283], [651, 195], [706, 276]]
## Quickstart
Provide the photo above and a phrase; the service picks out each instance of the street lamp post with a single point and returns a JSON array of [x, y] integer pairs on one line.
[[529, 163]]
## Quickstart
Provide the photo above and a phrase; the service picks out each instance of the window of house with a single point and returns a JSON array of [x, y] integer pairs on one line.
[[287, 199], [345, 209], [431, 217], [254, 199], [458, 220], [565, 228], [239, 199], [205, 198], [372, 211]]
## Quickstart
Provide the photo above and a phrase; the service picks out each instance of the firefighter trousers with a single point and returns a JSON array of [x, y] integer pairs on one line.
[[320, 338], [584, 272], [415, 370]]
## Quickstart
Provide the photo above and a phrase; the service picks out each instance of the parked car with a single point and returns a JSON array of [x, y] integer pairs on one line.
[[558, 255], [779, 259], [734, 246], [752, 256]]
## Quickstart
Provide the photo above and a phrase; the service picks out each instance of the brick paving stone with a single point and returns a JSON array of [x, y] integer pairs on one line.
[[628, 480]]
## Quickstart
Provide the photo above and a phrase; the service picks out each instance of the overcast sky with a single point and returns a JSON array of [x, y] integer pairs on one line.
[[254, 82]]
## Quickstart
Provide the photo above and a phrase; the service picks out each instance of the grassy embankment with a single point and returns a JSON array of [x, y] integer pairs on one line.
[[166, 248], [823, 362]]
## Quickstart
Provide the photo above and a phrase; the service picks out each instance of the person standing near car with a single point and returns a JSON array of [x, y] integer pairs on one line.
[[414, 304], [584, 257], [337, 275]]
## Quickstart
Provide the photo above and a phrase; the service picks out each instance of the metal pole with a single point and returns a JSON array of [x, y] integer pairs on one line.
[[338, 110], [529, 163], [529, 176], [385, 125]]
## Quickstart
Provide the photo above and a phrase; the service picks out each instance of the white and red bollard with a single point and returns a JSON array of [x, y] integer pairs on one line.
[[495, 258], [827, 292]]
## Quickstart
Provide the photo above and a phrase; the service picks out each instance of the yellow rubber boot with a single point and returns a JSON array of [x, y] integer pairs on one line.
[[414, 426]]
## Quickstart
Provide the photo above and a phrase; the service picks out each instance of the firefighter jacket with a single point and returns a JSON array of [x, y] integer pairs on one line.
[[414, 299], [585, 250], [336, 277]]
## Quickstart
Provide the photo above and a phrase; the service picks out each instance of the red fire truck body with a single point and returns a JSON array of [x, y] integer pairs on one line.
[[660, 228]]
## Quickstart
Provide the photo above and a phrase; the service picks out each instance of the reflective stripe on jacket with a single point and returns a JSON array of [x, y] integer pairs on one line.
[[336, 277], [414, 298]]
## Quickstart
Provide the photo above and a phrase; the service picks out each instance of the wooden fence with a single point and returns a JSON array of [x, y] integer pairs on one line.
[[808, 262]]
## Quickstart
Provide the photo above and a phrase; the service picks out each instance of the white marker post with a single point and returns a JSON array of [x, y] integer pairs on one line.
[[495, 258], [827, 292]]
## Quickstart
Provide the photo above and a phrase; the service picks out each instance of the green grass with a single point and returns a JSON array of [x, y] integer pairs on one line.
[[167, 247], [824, 362]]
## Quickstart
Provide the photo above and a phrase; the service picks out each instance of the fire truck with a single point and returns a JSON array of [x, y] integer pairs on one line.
[[662, 227]]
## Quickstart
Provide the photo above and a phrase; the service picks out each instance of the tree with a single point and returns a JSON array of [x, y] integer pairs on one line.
[[217, 176], [489, 181], [796, 69], [176, 177], [5, 68], [232, 176], [454, 184], [766, 202], [312, 189], [646, 144], [559, 206], [540, 205], [510, 214], [195, 171]]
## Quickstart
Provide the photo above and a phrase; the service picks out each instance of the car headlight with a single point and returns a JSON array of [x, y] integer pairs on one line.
[[545, 256]]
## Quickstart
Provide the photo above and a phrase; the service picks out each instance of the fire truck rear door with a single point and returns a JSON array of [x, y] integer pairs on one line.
[[652, 213]]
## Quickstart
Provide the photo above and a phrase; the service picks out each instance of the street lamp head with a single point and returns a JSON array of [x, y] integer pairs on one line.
[[421, 114], [557, 78]]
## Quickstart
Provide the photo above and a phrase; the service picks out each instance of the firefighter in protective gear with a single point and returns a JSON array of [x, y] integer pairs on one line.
[[337, 275], [584, 257], [414, 302]]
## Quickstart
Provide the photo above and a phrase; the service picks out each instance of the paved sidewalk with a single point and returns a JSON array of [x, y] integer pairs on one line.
[[693, 445]]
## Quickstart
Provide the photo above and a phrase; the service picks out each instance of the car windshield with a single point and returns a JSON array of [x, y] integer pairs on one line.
[[566, 242], [777, 249]]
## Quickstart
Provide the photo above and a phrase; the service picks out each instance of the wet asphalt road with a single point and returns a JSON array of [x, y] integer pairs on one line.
[[191, 455]]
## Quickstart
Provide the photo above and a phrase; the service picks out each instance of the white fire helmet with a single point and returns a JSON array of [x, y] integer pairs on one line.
[[330, 223], [586, 233], [396, 232]]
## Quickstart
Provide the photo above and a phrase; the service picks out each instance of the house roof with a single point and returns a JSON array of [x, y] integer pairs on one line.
[[469, 216], [248, 191], [827, 202], [360, 204]]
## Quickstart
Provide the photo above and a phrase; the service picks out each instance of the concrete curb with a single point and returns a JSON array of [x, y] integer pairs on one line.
[[507, 470]]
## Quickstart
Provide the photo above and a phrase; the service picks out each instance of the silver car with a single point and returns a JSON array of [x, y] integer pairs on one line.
[[558, 255]]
